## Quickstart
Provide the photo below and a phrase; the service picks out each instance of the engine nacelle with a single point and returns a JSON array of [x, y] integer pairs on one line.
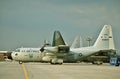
[[48, 57], [51, 49], [56, 61], [63, 49], [58, 49]]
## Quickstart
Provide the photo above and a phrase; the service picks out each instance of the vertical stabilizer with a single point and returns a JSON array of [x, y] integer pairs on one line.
[[77, 43], [105, 38], [57, 39]]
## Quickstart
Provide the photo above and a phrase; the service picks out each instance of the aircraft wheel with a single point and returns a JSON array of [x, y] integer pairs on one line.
[[117, 65], [20, 62]]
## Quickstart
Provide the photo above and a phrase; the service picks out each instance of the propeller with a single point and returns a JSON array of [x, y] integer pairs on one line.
[[42, 49], [46, 43]]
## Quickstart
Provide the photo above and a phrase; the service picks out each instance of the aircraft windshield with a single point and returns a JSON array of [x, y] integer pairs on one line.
[[17, 50]]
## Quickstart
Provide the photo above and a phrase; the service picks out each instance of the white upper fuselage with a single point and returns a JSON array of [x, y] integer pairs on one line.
[[27, 54], [34, 54], [104, 42]]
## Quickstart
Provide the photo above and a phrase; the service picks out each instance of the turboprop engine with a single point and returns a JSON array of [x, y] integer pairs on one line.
[[55, 55], [58, 49]]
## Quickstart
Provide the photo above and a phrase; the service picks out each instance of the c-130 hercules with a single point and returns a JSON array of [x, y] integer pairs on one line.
[[59, 52]]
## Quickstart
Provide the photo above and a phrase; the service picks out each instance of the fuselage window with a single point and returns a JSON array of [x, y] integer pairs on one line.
[[17, 50], [28, 51], [23, 51], [34, 51]]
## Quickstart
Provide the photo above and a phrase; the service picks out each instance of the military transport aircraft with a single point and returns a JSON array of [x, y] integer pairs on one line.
[[59, 52]]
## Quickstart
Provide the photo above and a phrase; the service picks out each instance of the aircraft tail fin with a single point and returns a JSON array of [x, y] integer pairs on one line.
[[77, 42], [58, 39], [105, 38]]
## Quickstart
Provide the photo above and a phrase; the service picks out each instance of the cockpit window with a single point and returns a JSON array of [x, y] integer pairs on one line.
[[17, 50]]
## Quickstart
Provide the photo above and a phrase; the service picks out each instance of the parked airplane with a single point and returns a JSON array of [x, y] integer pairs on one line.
[[60, 53]]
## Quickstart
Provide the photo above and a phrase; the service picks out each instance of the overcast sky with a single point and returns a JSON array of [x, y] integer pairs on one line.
[[27, 23]]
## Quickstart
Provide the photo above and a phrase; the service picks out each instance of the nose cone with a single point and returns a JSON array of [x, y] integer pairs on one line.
[[13, 55], [16, 56]]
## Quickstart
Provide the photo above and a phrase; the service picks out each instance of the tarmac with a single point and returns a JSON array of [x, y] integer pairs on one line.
[[33, 70]]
